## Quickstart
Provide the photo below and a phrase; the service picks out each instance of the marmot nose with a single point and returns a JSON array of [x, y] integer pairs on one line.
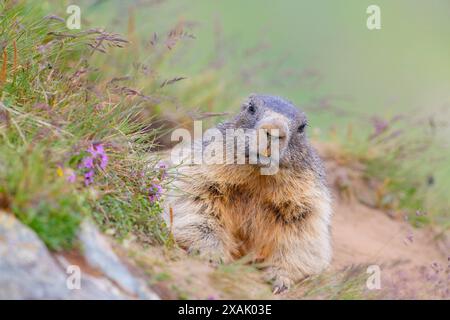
[[274, 128]]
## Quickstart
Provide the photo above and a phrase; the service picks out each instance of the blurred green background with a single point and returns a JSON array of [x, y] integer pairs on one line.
[[308, 49], [318, 54]]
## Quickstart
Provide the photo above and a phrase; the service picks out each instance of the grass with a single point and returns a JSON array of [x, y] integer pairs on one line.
[[393, 154], [347, 284], [53, 110], [47, 204], [240, 281]]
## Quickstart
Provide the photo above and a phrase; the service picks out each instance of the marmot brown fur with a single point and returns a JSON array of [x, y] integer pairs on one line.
[[226, 211]]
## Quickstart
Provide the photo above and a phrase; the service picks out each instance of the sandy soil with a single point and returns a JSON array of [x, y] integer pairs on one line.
[[411, 263]]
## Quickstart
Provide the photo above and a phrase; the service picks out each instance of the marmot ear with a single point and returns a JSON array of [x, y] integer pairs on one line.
[[248, 100], [251, 97]]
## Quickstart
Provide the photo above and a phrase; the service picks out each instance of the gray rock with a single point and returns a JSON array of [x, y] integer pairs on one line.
[[29, 271], [99, 254], [93, 287]]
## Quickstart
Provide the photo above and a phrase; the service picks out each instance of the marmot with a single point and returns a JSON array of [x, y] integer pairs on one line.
[[226, 211]]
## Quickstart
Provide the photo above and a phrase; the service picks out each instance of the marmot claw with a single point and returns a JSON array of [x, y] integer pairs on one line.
[[280, 285]]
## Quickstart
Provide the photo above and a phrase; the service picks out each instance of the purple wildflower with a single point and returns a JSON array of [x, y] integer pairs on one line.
[[379, 126], [162, 167], [89, 177], [88, 163], [436, 267], [154, 192], [409, 238], [98, 153], [420, 213], [72, 177], [97, 156]]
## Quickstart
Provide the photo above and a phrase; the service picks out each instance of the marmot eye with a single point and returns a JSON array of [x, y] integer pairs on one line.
[[302, 127], [251, 108]]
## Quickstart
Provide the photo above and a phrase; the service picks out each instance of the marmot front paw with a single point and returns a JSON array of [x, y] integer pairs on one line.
[[281, 282]]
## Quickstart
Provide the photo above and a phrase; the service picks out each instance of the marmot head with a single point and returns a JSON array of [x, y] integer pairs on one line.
[[271, 112]]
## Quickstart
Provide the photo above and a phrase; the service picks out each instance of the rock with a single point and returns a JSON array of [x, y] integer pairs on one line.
[[99, 254], [92, 287], [29, 271]]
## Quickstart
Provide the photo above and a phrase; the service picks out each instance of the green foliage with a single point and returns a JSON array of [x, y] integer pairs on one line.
[[53, 108], [56, 222], [31, 189], [133, 215], [393, 159]]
